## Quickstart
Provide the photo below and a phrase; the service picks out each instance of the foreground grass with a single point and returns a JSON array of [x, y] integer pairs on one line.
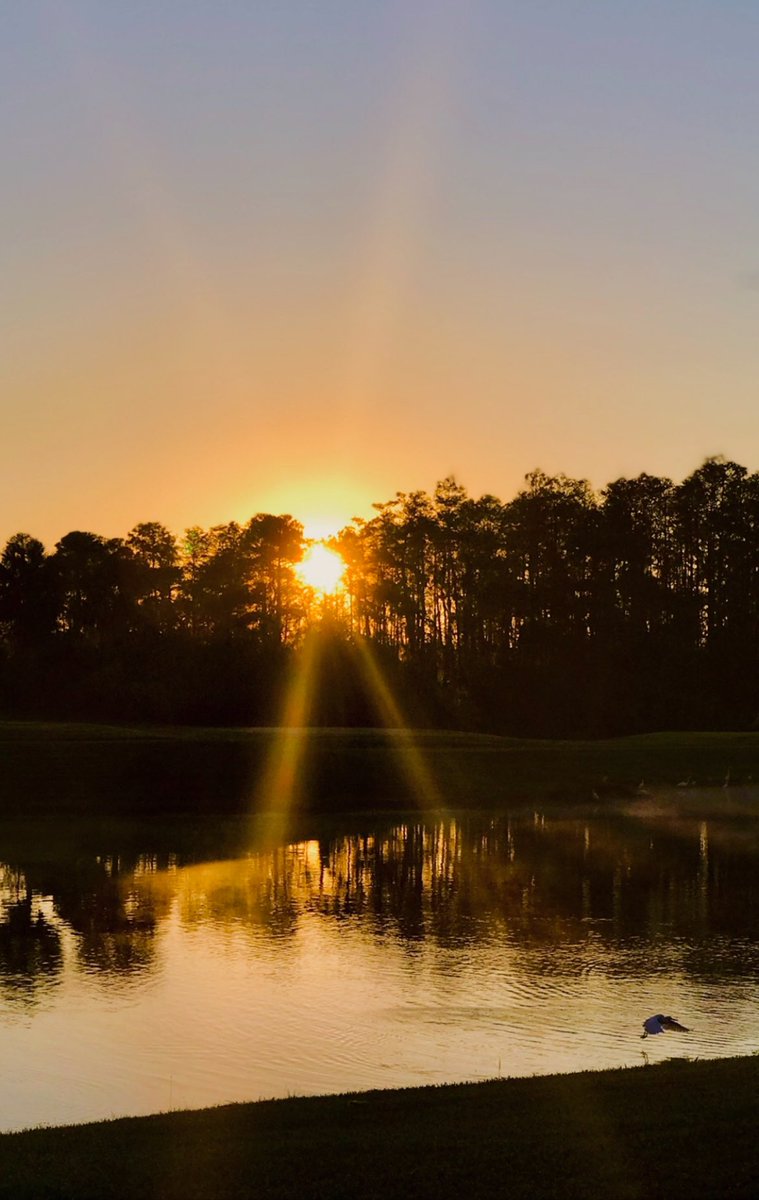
[[677, 1130], [104, 770]]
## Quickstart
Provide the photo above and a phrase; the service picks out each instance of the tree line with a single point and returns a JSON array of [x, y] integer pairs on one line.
[[561, 612]]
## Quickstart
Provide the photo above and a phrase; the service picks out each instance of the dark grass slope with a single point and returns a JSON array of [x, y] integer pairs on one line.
[[109, 769], [678, 1130]]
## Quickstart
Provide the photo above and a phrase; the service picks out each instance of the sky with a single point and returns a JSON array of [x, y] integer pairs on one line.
[[296, 256]]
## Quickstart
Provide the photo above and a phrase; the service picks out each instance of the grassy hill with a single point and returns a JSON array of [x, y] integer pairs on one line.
[[95, 769], [679, 1130]]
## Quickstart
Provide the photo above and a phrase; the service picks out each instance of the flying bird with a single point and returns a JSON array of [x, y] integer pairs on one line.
[[660, 1024]]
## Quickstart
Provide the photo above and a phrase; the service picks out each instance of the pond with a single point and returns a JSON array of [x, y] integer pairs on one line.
[[146, 969]]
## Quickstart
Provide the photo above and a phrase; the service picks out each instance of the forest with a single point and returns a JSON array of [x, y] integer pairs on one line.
[[563, 612]]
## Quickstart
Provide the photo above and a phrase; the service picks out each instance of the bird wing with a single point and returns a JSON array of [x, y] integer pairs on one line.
[[671, 1023]]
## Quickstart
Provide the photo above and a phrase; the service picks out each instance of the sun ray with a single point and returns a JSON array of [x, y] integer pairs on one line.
[[412, 761], [282, 778], [412, 144], [133, 157]]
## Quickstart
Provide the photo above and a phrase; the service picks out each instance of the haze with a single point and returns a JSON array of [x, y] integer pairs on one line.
[[294, 257]]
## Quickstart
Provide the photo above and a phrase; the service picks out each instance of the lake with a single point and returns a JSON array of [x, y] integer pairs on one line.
[[145, 968]]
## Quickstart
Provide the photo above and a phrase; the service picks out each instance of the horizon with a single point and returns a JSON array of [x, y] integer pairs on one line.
[[323, 525]]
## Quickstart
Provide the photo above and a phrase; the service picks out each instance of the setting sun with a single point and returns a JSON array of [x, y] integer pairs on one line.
[[321, 569]]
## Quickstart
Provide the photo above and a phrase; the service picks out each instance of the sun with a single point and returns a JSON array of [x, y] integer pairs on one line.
[[321, 569]]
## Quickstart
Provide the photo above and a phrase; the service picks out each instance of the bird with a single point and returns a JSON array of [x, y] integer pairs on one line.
[[660, 1024]]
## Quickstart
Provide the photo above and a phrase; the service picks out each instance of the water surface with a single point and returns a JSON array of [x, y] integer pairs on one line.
[[136, 978]]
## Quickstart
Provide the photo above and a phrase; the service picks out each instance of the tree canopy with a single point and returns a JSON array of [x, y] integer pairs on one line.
[[560, 612]]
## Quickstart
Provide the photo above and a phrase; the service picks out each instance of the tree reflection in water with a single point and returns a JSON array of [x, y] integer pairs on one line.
[[580, 889], [30, 946]]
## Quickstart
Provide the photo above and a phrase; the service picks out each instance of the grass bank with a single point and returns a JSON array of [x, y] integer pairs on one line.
[[676, 1130], [49, 768]]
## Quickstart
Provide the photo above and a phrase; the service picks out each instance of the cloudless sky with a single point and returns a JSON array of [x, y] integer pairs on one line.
[[298, 255]]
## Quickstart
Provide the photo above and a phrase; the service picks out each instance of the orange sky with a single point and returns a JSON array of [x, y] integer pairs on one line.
[[298, 257]]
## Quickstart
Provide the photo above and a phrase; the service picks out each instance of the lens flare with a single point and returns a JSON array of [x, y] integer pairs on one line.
[[284, 779], [418, 775], [284, 770]]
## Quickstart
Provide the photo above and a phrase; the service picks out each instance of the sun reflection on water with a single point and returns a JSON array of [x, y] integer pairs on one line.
[[400, 951]]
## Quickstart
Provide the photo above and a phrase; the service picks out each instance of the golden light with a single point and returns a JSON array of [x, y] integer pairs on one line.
[[321, 569], [283, 777], [410, 755]]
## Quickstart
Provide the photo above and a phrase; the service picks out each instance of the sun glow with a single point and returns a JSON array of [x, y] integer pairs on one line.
[[322, 569]]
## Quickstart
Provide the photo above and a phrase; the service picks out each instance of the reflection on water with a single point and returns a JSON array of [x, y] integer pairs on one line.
[[30, 946], [425, 951]]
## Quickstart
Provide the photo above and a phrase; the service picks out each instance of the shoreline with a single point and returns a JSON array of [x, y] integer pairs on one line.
[[679, 1129]]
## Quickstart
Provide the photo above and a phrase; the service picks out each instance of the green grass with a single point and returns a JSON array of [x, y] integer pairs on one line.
[[677, 1130], [46, 768]]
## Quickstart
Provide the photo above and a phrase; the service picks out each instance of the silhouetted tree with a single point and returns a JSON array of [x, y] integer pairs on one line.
[[274, 544], [94, 580], [157, 573], [27, 597], [559, 612]]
